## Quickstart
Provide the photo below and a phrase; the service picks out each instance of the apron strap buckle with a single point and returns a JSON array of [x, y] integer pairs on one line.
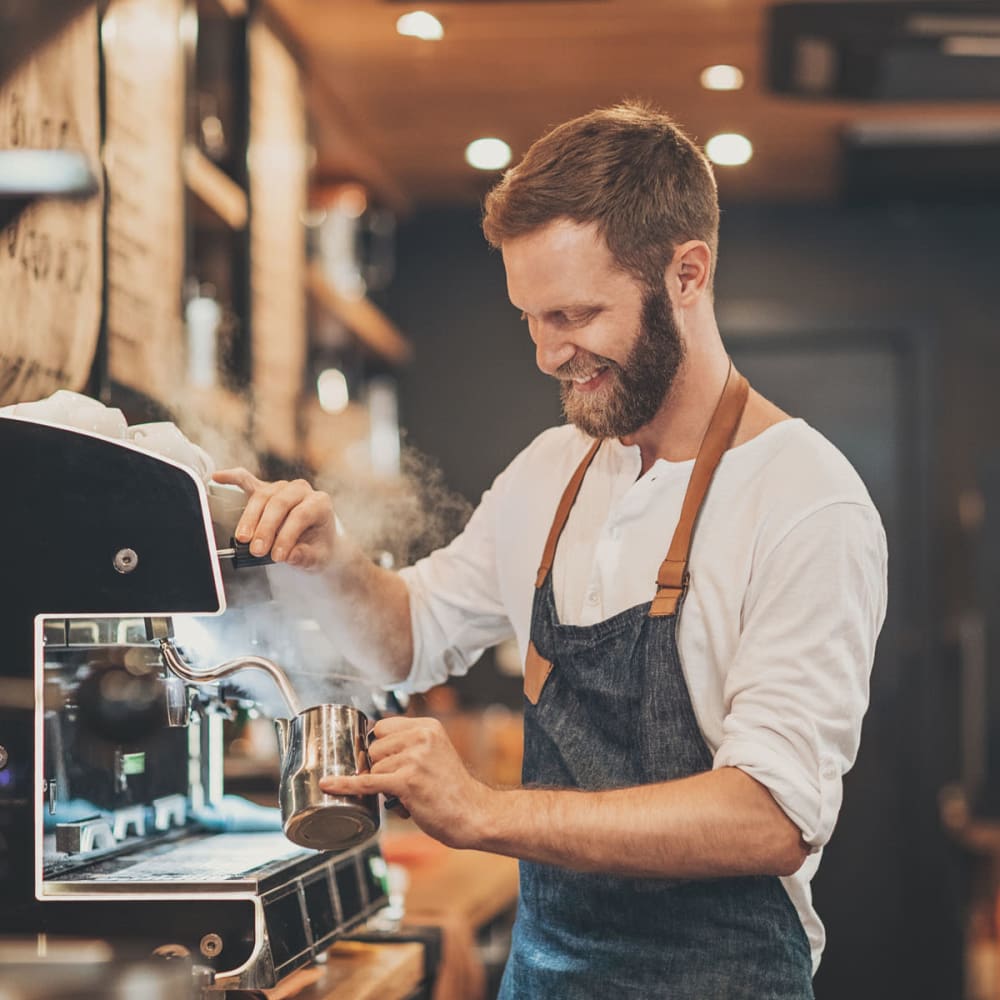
[[668, 598]]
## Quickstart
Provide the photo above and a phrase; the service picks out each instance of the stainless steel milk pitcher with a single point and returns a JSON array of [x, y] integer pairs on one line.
[[316, 741], [324, 740]]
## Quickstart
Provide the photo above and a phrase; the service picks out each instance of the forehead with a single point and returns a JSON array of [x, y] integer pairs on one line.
[[562, 262]]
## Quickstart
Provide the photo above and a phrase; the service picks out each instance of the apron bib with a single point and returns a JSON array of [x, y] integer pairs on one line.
[[607, 706]]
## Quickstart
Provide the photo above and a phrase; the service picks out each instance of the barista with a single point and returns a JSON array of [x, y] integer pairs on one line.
[[696, 581]]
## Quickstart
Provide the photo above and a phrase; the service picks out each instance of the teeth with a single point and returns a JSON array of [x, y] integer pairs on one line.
[[588, 378]]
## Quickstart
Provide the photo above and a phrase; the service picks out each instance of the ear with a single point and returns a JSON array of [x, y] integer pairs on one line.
[[690, 272]]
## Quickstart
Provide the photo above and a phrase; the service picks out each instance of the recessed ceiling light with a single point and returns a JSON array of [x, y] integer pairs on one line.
[[487, 154], [420, 24], [729, 149], [722, 77]]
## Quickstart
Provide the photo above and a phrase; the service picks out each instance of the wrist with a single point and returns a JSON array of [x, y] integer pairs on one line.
[[482, 828]]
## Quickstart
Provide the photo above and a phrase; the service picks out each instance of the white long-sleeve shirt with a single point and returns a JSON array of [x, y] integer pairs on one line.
[[777, 632]]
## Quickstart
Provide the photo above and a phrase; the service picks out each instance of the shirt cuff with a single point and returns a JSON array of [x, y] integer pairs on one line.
[[809, 794], [434, 659]]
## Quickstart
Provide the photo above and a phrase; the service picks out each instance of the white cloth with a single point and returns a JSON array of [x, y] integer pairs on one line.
[[776, 635], [72, 409]]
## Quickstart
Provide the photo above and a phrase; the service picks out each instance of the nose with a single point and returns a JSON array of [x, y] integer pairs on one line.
[[552, 350]]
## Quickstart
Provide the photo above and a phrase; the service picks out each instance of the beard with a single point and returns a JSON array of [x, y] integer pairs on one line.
[[634, 390]]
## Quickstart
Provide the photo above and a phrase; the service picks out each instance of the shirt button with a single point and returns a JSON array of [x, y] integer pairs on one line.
[[615, 532], [591, 596]]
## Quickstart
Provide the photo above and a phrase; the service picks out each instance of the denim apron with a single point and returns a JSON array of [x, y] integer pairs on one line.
[[607, 706]]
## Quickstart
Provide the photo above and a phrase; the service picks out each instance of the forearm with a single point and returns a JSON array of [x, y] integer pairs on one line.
[[721, 823], [370, 613]]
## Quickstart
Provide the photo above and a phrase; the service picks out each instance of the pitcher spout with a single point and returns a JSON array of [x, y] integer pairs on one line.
[[282, 727]]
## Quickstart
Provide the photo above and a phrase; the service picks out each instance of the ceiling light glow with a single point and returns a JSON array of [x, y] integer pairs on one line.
[[420, 24], [487, 154], [729, 149], [331, 387], [722, 77]]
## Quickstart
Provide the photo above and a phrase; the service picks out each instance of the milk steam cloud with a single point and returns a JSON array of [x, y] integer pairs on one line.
[[285, 614], [227, 447], [408, 517], [404, 518]]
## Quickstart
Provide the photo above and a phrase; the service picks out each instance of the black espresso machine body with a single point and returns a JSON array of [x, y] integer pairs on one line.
[[102, 759]]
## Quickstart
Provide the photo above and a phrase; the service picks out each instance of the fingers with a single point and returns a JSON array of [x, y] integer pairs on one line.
[[278, 516], [380, 750], [361, 784], [275, 511], [246, 529], [402, 723], [313, 512], [240, 477], [367, 784]]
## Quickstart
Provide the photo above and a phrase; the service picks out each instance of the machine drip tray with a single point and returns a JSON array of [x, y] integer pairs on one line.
[[299, 900], [210, 863]]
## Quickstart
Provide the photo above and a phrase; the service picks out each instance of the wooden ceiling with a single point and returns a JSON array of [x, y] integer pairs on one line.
[[399, 112]]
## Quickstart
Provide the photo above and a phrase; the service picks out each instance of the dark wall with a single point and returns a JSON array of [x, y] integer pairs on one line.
[[474, 397], [919, 283]]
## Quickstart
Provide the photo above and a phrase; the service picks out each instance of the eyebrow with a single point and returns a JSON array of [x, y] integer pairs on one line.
[[578, 307]]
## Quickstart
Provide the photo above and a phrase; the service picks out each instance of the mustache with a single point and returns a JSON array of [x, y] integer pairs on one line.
[[580, 365]]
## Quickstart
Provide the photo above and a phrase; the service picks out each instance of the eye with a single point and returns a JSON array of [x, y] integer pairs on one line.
[[581, 318]]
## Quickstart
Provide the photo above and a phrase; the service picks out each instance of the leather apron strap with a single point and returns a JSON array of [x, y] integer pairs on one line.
[[671, 581], [562, 513]]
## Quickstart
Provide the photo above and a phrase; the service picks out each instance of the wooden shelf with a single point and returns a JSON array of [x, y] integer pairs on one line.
[[362, 317], [215, 188]]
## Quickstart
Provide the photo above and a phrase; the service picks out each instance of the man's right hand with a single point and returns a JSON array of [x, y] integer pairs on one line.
[[291, 520]]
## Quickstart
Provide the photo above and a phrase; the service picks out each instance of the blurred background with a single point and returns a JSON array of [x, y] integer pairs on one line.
[[261, 220]]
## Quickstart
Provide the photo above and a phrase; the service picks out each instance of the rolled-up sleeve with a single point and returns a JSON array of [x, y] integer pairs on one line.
[[456, 609], [797, 691]]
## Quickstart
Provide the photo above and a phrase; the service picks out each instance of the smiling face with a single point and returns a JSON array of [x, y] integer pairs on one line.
[[613, 345]]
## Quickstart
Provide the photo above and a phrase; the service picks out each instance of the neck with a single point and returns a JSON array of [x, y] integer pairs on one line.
[[676, 431]]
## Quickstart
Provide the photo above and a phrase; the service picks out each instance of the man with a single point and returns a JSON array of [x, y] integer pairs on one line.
[[688, 719]]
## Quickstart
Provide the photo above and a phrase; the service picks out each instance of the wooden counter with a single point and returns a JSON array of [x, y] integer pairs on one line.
[[459, 891], [354, 971], [473, 886]]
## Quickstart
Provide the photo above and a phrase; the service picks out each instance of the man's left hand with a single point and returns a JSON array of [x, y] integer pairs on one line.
[[413, 760]]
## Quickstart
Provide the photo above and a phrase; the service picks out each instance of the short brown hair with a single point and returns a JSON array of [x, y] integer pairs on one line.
[[628, 168]]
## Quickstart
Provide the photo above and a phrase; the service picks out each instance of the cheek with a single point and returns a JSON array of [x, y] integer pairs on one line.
[[610, 341]]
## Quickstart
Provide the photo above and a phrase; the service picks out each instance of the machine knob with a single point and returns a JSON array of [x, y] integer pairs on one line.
[[126, 560], [211, 945]]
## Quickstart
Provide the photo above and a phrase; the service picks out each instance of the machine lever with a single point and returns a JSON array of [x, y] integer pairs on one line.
[[239, 552]]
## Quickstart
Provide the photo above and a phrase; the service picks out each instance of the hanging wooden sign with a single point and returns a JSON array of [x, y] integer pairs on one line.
[[278, 176], [50, 248], [144, 85]]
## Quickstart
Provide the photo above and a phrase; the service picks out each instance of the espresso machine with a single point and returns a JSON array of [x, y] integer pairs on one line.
[[107, 757]]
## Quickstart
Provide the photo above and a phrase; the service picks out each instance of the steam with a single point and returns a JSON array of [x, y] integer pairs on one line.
[[283, 613], [228, 447], [408, 517]]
